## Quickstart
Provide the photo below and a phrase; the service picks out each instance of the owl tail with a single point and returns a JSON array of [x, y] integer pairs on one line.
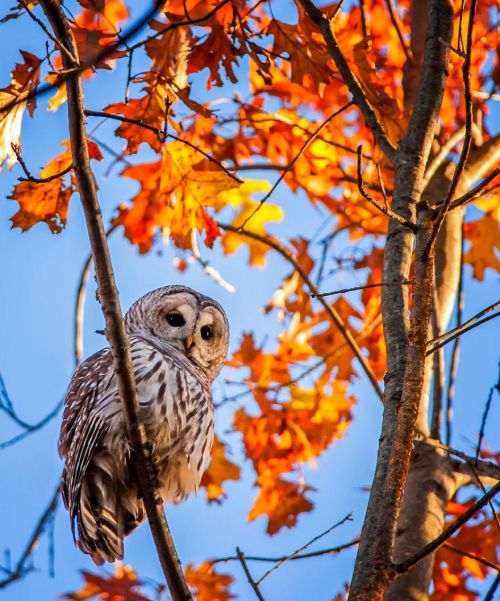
[[100, 519]]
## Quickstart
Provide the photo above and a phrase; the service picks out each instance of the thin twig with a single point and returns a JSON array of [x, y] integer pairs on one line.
[[444, 150], [248, 574], [397, 26], [391, 214], [311, 554], [7, 407], [470, 555], [81, 295], [115, 328], [21, 568], [63, 76], [476, 191], [161, 137], [344, 290], [484, 417], [293, 161], [303, 548], [471, 323], [44, 28], [325, 24], [490, 595], [404, 566], [29, 176], [484, 468], [455, 353], [438, 376], [332, 312], [464, 155]]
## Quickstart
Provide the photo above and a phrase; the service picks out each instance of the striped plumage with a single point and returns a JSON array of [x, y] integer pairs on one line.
[[175, 361]]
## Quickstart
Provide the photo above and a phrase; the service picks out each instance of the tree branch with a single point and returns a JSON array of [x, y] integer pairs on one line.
[[476, 191], [468, 128], [404, 566], [376, 204], [293, 161], [108, 297], [21, 568], [250, 579], [470, 324], [311, 554], [405, 338], [334, 315], [325, 25]]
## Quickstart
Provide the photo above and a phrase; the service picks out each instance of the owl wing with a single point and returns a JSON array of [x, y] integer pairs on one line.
[[83, 427]]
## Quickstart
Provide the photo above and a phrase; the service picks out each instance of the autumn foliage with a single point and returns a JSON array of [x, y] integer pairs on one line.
[[188, 147]]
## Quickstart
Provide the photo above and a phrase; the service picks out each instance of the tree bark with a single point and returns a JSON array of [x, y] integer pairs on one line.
[[433, 480], [405, 339]]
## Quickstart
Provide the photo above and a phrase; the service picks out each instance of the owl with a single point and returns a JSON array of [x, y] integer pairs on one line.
[[179, 341]]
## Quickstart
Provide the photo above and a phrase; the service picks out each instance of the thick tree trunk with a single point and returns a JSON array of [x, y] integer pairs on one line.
[[432, 481]]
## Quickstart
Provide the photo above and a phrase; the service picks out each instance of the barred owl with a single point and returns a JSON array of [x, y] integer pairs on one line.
[[179, 341]]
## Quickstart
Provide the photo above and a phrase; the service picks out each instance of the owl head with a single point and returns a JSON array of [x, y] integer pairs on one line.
[[194, 324]]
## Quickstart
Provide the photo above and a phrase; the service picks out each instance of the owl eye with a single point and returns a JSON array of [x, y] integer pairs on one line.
[[175, 319], [206, 333]]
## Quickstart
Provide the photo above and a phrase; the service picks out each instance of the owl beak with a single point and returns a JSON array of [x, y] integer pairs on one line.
[[188, 342]]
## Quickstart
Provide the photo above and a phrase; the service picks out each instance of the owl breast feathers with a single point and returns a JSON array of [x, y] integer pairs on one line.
[[179, 341]]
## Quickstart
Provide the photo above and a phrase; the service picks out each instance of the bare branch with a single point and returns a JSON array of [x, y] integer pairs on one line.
[[397, 26], [404, 566], [375, 203], [303, 548], [293, 161], [250, 579], [440, 157], [108, 297], [482, 560], [7, 407], [456, 347], [21, 568], [334, 315], [477, 191], [325, 24], [490, 595], [470, 324], [161, 137], [311, 554], [483, 467], [484, 418], [468, 128], [29, 176], [344, 290], [81, 295]]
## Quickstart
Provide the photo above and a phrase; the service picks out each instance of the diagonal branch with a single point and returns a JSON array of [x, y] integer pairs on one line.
[[21, 568], [248, 574], [293, 161], [404, 566], [108, 297], [470, 324], [325, 25], [412, 226], [334, 315]]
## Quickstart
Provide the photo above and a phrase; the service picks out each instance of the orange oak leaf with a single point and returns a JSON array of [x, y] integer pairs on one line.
[[48, 201], [24, 79], [123, 586], [207, 584], [218, 471], [281, 501], [175, 194], [484, 236]]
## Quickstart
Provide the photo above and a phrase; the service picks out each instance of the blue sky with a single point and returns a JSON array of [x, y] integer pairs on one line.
[[39, 274]]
